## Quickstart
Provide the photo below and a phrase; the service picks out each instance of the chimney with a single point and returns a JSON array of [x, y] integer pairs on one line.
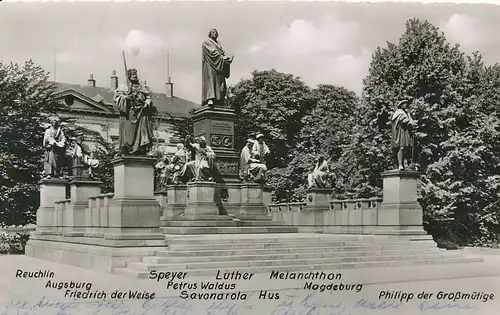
[[170, 88], [91, 80], [114, 81]]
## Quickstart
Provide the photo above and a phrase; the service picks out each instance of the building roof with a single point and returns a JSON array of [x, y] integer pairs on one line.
[[173, 106]]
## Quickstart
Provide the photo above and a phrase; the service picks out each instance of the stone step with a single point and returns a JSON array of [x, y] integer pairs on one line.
[[265, 263], [228, 230], [314, 248], [276, 245], [261, 223], [165, 259], [243, 217], [140, 274], [212, 223], [202, 217], [200, 223], [285, 238]]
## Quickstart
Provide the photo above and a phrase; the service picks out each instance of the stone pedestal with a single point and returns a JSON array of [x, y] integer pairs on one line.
[[267, 195], [74, 216], [252, 205], [318, 199], [134, 213], [232, 203], [51, 190], [177, 198], [400, 212], [217, 125], [200, 201]]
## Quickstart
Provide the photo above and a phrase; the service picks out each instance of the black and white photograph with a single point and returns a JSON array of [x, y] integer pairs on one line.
[[249, 157]]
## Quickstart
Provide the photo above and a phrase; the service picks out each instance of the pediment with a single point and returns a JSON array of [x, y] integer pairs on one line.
[[77, 101]]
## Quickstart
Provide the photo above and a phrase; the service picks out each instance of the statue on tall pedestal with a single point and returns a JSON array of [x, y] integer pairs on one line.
[[403, 135], [215, 70], [251, 168], [54, 142], [135, 107], [200, 169]]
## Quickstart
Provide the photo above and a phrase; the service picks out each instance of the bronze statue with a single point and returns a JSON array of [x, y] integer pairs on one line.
[[83, 161], [403, 133], [135, 107], [201, 168], [54, 142], [251, 168], [215, 70], [260, 150], [318, 178], [179, 165]]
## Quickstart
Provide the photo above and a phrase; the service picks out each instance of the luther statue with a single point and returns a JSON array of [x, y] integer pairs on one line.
[[135, 107], [215, 70]]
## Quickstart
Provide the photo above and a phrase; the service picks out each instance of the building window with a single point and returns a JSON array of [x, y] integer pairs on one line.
[[69, 100]]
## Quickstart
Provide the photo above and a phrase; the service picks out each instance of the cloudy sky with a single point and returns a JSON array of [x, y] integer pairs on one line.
[[321, 42]]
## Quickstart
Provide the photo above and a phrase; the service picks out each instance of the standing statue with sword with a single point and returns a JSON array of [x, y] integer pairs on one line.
[[133, 101]]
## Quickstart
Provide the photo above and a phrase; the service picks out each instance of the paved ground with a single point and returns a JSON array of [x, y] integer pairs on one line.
[[28, 296]]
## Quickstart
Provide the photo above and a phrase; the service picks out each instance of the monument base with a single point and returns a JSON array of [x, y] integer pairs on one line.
[[51, 191], [201, 196], [251, 203], [216, 124], [134, 212], [91, 253], [318, 199], [74, 216], [172, 202], [248, 215], [400, 212]]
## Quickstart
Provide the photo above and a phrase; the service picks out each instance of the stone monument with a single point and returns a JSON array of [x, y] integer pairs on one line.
[[216, 124], [214, 120], [400, 211]]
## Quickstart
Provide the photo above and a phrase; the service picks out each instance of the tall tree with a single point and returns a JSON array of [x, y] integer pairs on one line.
[[327, 131], [423, 69], [25, 103], [273, 103], [457, 132]]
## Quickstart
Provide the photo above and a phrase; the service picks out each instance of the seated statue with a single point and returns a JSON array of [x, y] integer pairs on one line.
[[162, 177], [318, 178], [251, 167], [200, 169], [83, 162], [179, 165]]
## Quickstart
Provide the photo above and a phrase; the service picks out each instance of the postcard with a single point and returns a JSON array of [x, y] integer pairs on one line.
[[249, 158]]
